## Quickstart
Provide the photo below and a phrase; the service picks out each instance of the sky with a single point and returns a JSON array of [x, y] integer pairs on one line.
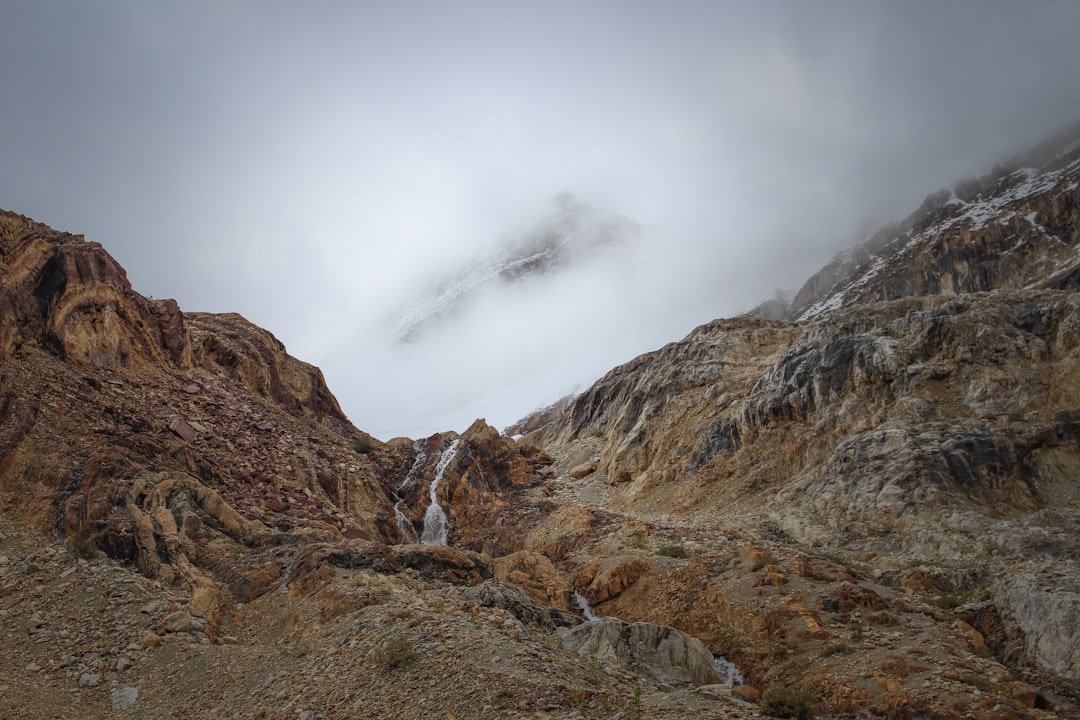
[[315, 166]]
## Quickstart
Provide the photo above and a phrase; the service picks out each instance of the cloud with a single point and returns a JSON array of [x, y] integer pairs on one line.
[[315, 167]]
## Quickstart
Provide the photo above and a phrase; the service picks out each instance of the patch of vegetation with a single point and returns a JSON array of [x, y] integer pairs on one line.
[[979, 681], [637, 538], [763, 560], [598, 434], [394, 652], [780, 702], [82, 549], [363, 446], [504, 697], [951, 601], [836, 649], [673, 551], [636, 712]]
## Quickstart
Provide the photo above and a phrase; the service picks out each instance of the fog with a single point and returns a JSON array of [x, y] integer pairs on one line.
[[315, 168]]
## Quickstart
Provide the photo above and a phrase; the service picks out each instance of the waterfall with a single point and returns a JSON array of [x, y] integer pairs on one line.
[[730, 674], [406, 531], [436, 524], [586, 609]]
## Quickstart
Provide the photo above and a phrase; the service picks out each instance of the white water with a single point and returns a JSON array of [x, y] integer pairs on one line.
[[730, 674], [436, 524], [586, 609], [417, 466], [406, 531]]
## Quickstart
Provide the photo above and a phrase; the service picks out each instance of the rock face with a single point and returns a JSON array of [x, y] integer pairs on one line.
[[923, 406], [1046, 612], [1015, 227], [661, 653], [164, 439]]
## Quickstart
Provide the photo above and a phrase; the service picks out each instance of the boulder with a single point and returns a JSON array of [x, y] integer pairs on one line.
[[507, 596], [660, 653], [1042, 617]]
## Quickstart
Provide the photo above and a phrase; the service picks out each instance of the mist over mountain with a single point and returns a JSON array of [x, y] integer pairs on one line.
[[571, 236], [320, 172]]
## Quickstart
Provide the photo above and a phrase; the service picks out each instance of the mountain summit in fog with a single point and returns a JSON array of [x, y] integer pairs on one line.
[[573, 234]]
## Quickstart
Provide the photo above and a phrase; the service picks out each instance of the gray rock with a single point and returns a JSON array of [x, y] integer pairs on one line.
[[122, 697], [508, 596], [176, 622], [662, 654], [1042, 616]]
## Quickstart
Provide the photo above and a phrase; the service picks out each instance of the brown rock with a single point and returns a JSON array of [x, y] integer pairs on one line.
[[180, 427], [584, 469], [535, 574], [978, 644], [746, 693], [176, 622]]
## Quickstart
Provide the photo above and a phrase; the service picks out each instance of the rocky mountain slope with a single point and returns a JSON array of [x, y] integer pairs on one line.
[[869, 509], [574, 234], [920, 413]]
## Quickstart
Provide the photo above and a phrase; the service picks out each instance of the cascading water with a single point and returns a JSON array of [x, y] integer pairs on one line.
[[730, 674], [586, 609], [436, 524], [406, 531]]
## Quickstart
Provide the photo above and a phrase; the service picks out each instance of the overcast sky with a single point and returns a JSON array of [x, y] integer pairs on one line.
[[314, 165]]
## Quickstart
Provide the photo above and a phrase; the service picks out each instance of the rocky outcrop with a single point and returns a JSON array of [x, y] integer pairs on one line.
[[1017, 226], [1042, 617], [885, 416], [73, 299], [191, 446], [478, 475], [508, 596], [663, 654]]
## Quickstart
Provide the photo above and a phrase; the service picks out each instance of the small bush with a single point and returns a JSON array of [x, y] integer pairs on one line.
[[673, 551], [637, 538], [394, 652], [781, 702], [84, 549], [764, 560], [599, 435], [363, 446], [980, 681], [836, 649], [951, 601]]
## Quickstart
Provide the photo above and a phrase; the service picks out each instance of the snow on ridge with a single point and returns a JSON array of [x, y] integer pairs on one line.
[[975, 214]]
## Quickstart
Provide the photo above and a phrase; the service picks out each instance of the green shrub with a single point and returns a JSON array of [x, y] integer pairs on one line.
[[84, 549], [363, 446], [951, 601], [782, 702], [674, 551], [394, 652]]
